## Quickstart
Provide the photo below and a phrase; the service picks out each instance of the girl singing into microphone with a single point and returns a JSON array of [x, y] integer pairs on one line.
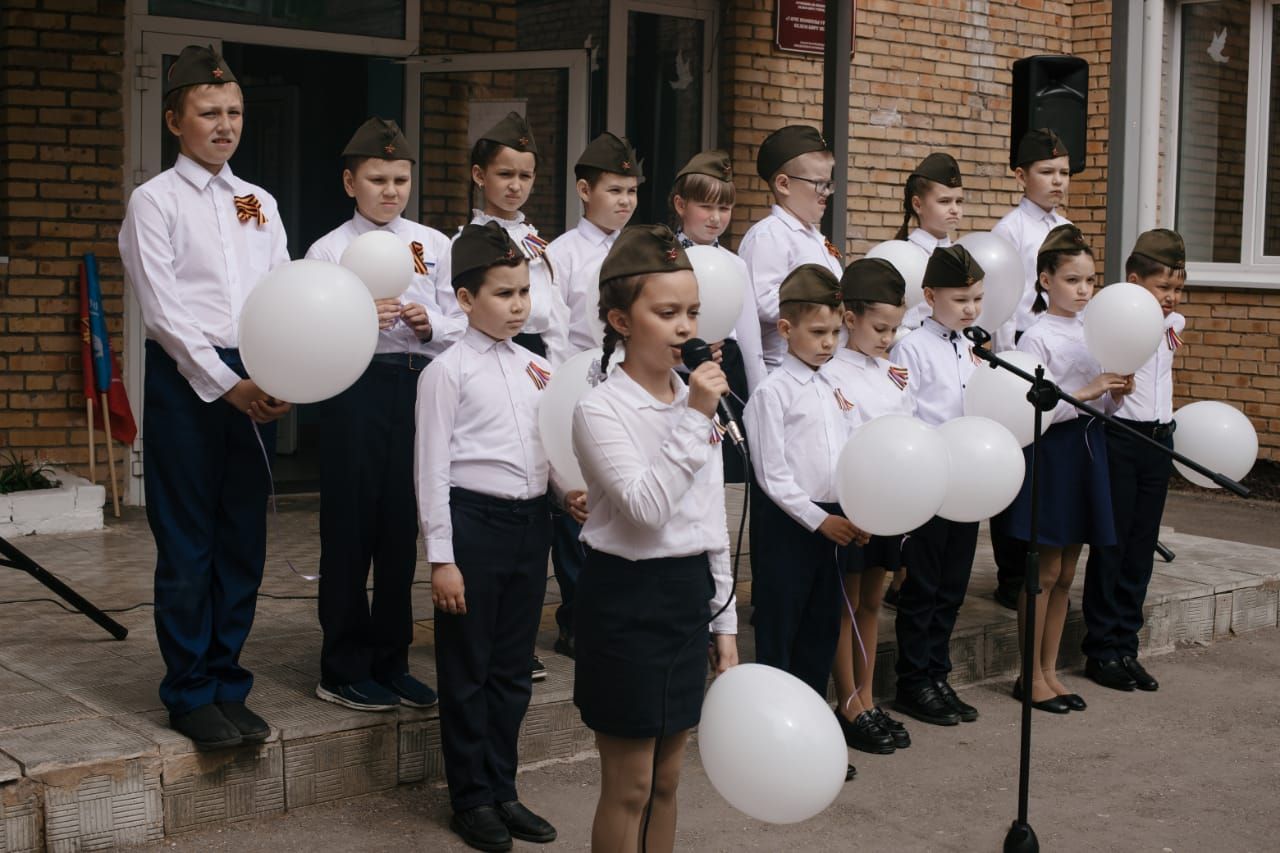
[[656, 539]]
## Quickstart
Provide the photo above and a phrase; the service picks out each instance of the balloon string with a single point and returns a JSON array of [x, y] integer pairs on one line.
[[857, 634], [1088, 426], [271, 483]]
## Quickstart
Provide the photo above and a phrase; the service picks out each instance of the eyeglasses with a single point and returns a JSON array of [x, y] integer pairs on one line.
[[819, 186]]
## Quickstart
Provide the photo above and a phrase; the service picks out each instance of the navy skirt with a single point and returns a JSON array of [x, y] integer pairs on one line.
[[1075, 488], [632, 621], [882, 552]]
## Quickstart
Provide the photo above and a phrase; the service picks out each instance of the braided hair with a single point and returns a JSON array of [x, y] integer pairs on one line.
[[620, 293], [1049, 262], [916, 186]]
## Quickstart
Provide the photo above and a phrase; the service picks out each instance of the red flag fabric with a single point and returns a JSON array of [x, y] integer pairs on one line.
[[123, 426]]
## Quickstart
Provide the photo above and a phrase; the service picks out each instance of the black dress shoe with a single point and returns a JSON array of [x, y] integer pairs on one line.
[[207, 727], [252, 728], [481, 828], [1007, 597], [851, 773], [967, 712], [865, 735], [1141, 678], [927, 706], [896, 730], [524, 824], [1053, 706], [1074, 701], [1109, 673], [564, 644]]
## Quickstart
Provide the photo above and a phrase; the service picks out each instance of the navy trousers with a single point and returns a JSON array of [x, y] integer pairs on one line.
[[1116, 576], [939, 560], [482, 656], [368, 514], [207, 485], [797, 579]]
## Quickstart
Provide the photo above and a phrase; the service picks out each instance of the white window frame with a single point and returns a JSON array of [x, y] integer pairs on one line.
[[707, 11], [1254, 270]]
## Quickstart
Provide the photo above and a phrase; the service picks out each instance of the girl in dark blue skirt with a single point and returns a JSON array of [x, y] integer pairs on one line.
[[1075, 495]]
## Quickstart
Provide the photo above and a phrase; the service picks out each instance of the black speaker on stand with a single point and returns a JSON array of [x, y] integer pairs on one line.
[[1052, 92]]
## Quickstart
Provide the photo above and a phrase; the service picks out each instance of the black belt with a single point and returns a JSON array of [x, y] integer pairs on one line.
[[411, 360], [519, 506], [1151, 429]]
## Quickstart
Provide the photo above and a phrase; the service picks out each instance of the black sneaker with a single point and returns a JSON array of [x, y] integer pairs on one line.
[[524, 824], [481, 828], [363, 696], [967, 712], [896, 730], [252, 728], [411, 691], [207, 728], [564, 644], [865, 735], [538, 671]]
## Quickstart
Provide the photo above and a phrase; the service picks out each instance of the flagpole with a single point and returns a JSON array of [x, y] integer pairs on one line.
[[111, 457], [88, 426]]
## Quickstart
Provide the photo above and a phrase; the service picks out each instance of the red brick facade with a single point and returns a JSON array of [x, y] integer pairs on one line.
[[926, 76]]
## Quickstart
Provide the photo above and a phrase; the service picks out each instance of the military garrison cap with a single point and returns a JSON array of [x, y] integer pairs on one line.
[[952, 266], [812, 283], [1162, 246], [1036, 145], [643, 249], [784, 144], [513, 132], [610, 153], [198, 66], [873, 280], [380, 138], [480, 247]]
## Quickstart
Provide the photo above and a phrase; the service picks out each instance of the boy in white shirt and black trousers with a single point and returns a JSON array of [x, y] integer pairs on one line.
[[1115, 583], [799, 421], [196, 239], [367, 508], [939, 555], [1043, 168], [797, 165], [482, 478]]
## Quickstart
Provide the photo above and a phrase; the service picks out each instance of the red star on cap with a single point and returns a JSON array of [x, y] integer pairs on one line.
[[390, 149], [672, 254], [626, 165], [217, 72], [524, 140]]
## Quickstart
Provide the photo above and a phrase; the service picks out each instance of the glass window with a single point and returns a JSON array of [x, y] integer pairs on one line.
[[1213, 95], [379, 18], [1271, 224]]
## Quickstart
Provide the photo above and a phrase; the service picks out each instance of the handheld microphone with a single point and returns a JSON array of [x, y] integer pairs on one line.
[[694, 352]]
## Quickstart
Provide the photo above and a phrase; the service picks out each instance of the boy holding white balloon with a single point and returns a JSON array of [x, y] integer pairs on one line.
[[1116, 576], [367, 509], [938, 555], [482, 484], [1043, 170], [797, 166], [799, 420], [195, 241]]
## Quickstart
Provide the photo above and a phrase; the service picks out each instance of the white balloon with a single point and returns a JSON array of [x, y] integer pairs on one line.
[[891, 475], [1123, 325], [383, 262], [986, 471], [1001, 396], [770, 745], [721, 290], [569, 382], [307, 331], [1218, 436], [1004, 279], [910, 262]]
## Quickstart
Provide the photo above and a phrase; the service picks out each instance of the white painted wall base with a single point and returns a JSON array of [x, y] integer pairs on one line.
[[75, 505]]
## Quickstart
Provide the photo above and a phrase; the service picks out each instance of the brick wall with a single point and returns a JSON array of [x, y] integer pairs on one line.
[[61, 150]]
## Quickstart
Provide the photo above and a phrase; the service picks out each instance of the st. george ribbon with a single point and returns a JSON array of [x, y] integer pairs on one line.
[[694, 352]]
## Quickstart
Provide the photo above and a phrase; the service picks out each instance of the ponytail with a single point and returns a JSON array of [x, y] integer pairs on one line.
[[915, 186]]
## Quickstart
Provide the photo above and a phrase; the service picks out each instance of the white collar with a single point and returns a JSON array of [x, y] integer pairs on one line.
[[364, 224], [197, 175], [632, 392], [479, 217], [938, 330], [791, 221], [480, 342], [797, 369], [594, 234], [1034, 211]]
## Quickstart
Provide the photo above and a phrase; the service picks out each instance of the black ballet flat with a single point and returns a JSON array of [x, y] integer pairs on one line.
[[1074, 701], [1056, 705]]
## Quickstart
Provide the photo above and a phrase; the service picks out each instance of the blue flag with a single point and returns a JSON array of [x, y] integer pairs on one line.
[[100, 343]]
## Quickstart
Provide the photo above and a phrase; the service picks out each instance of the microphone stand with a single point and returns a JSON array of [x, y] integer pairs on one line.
[[1044, 396]]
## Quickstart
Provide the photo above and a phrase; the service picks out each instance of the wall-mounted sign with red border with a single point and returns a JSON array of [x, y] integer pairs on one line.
[[800, 26]]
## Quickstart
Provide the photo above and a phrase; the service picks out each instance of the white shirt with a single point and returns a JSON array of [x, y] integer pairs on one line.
[[477, 428], [1059, 344], [576, 257], [1152, 397], [1025, 227], [432, 290], [772, 248], [655, 480], [747, 330], [798, 421], [939, 362], [548, 315], [926, 243], [870, 384], [191, 263]]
